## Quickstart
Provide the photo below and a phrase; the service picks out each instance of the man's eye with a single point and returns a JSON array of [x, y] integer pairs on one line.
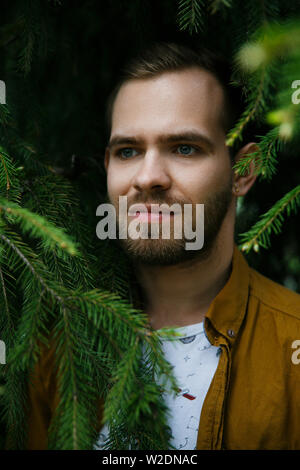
[[186, 149], [126, 153]]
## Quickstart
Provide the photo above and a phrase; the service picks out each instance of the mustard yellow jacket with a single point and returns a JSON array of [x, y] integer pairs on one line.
[[254, 399]]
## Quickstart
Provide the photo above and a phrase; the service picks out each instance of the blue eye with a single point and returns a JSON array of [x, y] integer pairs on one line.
[[186, 149], [127, 152]]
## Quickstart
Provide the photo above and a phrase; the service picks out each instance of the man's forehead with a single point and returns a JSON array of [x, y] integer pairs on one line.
[[189, 80], [187, 95]]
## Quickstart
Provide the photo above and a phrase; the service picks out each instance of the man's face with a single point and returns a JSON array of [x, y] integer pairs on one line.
[[167, 145]]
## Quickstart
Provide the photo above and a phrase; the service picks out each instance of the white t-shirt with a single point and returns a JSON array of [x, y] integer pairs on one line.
[[194, 362]]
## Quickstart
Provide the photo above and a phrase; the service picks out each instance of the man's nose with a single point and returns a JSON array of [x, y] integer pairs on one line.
[[152, 173]]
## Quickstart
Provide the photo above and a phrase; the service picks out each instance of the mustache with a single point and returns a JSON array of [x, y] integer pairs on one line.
[[157, 199]]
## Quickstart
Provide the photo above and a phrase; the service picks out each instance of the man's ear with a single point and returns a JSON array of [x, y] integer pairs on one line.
[[243, 183], [106, 158]]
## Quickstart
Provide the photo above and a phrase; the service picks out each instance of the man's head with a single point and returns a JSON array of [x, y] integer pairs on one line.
[[170, 57], [168, 121]]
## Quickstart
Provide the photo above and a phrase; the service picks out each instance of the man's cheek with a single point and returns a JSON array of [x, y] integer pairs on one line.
[[112, 188], [117, 184]]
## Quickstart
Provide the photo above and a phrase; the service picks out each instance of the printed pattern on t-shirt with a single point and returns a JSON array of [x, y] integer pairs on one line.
[[194, 360]]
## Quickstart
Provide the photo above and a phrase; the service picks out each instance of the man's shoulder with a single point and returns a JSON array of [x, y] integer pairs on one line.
[[274, 295]]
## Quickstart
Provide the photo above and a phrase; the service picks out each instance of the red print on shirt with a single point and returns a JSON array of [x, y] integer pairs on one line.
[[186, 395]]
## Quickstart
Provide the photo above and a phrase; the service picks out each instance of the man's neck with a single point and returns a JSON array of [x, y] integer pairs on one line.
[[180, 295]]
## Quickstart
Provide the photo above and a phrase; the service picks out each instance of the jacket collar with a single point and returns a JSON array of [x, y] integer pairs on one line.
[[226, 312]]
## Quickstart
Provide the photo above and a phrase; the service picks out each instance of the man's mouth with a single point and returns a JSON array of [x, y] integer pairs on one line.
[[150, 212]]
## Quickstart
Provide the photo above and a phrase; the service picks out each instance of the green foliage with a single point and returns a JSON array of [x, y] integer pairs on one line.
[[274, 48], [38, 227], [271, 222], [216, 5], [190, 15], [59, 286]]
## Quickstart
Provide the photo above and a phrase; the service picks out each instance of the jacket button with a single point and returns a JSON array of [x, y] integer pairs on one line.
[[231, 333]]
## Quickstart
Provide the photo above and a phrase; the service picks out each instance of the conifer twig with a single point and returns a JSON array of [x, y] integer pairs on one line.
[[271, 221]]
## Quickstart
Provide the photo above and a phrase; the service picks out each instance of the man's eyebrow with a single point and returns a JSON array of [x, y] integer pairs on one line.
[[189, 136], [122, 140]]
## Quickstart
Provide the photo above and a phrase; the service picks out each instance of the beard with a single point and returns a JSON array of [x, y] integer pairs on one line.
[[167, 252]]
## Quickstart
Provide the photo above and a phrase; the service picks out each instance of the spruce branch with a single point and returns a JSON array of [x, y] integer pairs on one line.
[[67, 360], [271, 221], [271, 41], [68, 330], [265, 158], [30, 34], [10, 32], [217, 5], [269, 146], [13, 410], [6, 176], [37, 226], [275, 48], [19, 254], [9, 181], [8, 299], [287, 119], [136, 398], [257, 89], [114, 317], [4, 296], [6, 119], [78, 383], [124, 378], [53, 197], [190, 15]]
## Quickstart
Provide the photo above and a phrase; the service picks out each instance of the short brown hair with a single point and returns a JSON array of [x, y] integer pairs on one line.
[[168, 57]]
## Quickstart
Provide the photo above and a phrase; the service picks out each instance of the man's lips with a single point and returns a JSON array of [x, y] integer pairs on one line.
[[151, 217], [150, 212]]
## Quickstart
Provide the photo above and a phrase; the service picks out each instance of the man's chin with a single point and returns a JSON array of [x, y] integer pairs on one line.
[[161, 252]]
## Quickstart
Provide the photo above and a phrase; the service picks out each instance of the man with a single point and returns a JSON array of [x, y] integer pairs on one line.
[[233, 356]]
